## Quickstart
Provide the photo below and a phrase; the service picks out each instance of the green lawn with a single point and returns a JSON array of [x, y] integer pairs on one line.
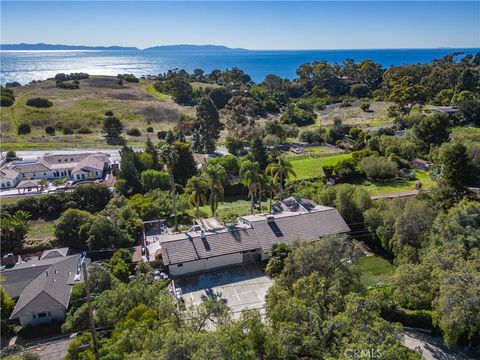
[[312, 167], [40, 235], [375, 270], [399, 185]]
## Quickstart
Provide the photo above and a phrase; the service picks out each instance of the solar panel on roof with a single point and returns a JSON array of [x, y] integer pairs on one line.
[[276, 230]]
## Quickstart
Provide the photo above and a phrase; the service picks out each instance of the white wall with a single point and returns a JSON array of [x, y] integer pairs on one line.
[[205, 264], [54, 315], [4, 183]]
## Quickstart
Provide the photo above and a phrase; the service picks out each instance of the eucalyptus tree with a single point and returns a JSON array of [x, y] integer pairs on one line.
[[280, 171]]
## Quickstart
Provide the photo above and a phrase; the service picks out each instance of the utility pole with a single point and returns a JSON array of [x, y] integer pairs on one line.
[[90, 310]]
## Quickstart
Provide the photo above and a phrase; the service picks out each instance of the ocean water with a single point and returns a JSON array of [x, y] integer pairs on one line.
[[25, 66]]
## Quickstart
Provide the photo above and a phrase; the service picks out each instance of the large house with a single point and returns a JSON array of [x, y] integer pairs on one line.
[[76, 167], [209, 245], [42, 286]]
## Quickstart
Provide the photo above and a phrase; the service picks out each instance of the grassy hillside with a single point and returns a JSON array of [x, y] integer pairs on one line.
[[137, 105]]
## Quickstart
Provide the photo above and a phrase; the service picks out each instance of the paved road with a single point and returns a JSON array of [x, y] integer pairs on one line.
[[433, 348]]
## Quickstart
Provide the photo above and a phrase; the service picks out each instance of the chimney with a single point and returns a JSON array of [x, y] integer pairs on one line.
[[46, 273]]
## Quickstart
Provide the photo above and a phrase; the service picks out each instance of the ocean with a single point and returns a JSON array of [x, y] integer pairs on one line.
[[25, 66]]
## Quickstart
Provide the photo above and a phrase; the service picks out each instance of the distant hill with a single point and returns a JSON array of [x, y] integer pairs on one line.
[[192, 48], [165, 48], [42, 46]]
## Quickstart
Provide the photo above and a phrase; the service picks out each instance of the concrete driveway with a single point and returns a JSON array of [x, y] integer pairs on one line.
[[242, 287]]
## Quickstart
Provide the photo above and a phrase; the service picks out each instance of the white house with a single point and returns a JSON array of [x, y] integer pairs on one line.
[[251, 239], [77, 167]]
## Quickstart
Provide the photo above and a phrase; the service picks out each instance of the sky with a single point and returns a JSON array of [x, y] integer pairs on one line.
[[253, 25]]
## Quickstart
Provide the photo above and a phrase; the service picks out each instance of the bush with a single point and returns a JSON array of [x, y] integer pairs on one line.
[[50, 130], [11, 154], [359, 90], [310, 136], [24, 128], [12, 84], [6, 101], [161, 134], [377, 167], [134, 132], [365, 107], [67, 85], [129, 78], [84, 130], [150, 129], [298, 116], [67, 130], [345, 103], [39, 103], [108, 113]]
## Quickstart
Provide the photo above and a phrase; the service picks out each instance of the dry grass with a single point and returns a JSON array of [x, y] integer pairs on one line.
[[85, 107]]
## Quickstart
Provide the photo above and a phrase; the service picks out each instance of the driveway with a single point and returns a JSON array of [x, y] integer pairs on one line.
[[242, 287], [433, 348]]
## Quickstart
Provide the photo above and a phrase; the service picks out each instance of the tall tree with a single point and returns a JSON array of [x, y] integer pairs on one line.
[[259, 152], [216, 176], [13, 229], [280, 171], [112, 129], [129, 171], [206, 127], [169, 156], [252, 178], [150, 149], [240, 113], [197, 189]]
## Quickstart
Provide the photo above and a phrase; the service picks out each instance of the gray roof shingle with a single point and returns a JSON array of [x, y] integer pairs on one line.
[[214, 243], [42, 286], [302, 226]]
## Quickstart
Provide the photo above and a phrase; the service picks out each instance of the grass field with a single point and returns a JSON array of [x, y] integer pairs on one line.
[[135, 104], [375, 270], [399, 185], [312, 167]]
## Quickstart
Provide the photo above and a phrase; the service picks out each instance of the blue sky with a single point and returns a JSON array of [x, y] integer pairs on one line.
[[252, 25]]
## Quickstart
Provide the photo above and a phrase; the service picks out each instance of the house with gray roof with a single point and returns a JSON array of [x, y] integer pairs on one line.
[[251, 239], [42, 287]]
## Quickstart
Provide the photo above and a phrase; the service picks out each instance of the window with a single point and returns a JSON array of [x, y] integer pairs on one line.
[[3, 185], [71, 159], [34, 316], [78, 177], [8, 183], [42, 315], [49, 313], [179, 265]]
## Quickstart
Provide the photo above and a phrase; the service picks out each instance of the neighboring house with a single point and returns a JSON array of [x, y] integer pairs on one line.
[[251, 239], [42, 287], [77, 167], [420, 164], [8, 178]]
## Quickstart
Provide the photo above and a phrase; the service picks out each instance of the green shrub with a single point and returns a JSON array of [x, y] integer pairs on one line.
[[67, 85], [84, 130], [50, 130], [11, 154], [39, 103], [129, 78], [24, 128], [6, 101], [67, 130], [150, 129], [108, 113], [365, 107], [134, 132], [161, 134]]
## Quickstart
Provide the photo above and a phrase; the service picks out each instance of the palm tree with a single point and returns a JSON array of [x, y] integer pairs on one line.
[[197, 188], [280, 171], [216, 176], [252, 178], [169, 156], [272, 186]]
